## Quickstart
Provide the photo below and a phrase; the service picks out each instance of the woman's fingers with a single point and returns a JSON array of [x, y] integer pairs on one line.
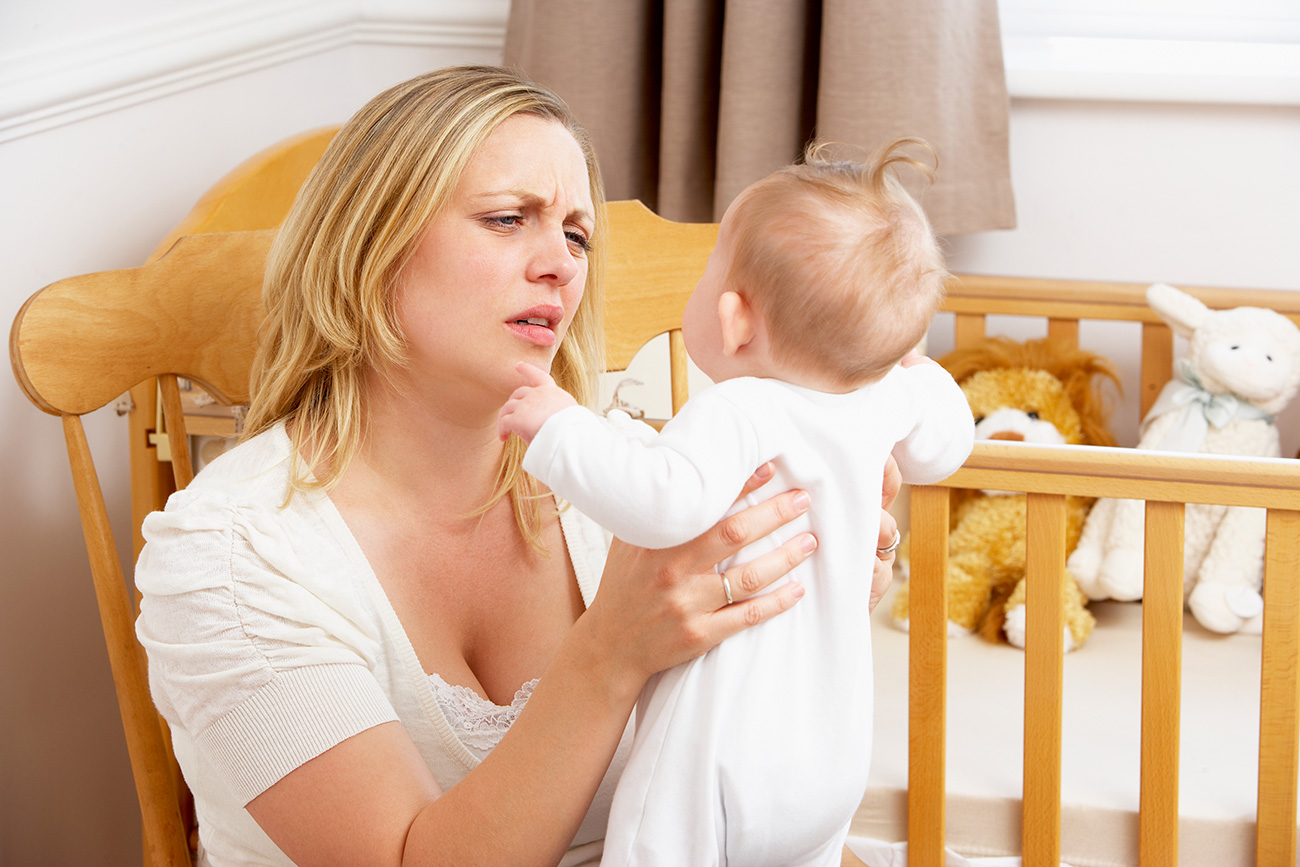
[[893, 483], [749, 525], [761, 477], [747, 579], [658, 608], [888, 530], [882, 574]]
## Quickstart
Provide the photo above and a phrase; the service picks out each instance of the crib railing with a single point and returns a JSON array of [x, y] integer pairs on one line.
[[1167, 482], [1063, 303]]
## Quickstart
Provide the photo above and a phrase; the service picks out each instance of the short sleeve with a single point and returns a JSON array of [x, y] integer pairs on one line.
[[255, 637]]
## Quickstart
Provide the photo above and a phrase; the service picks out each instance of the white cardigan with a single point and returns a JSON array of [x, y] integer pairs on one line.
[[270, 640]]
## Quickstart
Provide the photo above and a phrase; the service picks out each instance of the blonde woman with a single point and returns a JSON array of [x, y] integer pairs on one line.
[[375, 639]]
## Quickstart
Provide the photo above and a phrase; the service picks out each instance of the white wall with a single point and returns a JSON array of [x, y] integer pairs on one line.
[[1193, 195], [91, 185], [1186, 193]]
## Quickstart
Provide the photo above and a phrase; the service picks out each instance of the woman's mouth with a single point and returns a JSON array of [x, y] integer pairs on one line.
[[537, 325]]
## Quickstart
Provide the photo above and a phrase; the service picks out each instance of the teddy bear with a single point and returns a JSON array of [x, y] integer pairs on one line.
[[1242, 367], [1036, 392]]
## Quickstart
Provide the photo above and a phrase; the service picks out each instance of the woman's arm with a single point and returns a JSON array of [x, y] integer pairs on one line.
[[371, 799]]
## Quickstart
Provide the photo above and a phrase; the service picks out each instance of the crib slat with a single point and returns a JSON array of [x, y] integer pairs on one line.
[[1063, 332], [1044, 659], [1162, 643], [968, 328], [1157, 366], [677, 368], [927, 676], [1279, 726]]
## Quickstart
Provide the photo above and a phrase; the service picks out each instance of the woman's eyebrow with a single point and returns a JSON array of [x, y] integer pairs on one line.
[[532, 199]]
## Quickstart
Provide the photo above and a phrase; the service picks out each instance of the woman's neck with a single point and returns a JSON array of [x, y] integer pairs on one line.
[[416, 447]]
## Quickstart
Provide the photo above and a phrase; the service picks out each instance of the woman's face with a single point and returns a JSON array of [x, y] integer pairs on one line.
[[498, 275]]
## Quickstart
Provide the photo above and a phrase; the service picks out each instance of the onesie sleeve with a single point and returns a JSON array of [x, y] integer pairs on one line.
[[653, 492], [943, 429], [252, 650]]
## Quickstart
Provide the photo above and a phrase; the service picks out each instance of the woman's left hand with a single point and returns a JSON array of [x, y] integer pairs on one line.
[[883, 572]]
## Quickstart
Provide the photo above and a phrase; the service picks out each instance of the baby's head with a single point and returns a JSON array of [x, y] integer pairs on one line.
[[838, 262]]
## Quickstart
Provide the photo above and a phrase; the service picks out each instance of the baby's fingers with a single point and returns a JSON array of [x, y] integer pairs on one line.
[[533, 375]]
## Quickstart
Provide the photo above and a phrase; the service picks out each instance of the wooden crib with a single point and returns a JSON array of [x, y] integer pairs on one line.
[[1167, 482]]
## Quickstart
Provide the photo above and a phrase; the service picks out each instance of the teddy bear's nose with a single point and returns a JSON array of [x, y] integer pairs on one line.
[[1009, 435]]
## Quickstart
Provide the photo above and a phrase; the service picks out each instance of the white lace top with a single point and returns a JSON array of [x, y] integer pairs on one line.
[[479, 723]]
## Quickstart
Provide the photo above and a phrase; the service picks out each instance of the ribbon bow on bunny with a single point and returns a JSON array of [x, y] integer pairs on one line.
[[1200, 409]]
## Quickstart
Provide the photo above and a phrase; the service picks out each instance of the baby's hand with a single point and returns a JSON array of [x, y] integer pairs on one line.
[[531, 404]]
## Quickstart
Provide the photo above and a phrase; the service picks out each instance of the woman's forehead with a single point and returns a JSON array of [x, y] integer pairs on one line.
[[529, 157]]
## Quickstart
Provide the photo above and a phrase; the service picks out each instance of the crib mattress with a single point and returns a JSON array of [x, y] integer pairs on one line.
[[1101, 738]]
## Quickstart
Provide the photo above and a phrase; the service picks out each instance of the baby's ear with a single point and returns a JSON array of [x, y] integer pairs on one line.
[[739, 324]]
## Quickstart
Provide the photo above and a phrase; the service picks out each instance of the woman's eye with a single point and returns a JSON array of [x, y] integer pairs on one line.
[[579, 240], [507, 221]]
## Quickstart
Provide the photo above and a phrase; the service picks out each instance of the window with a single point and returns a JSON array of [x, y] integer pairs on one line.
[[1237, 51]]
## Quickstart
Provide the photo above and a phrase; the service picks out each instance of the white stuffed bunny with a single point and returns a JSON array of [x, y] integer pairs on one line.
[[1242, 368]]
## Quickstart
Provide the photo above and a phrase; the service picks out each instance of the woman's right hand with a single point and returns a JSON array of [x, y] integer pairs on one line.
[[658, 608]]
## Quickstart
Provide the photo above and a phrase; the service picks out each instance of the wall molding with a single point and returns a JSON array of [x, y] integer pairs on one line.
[[62, 83]]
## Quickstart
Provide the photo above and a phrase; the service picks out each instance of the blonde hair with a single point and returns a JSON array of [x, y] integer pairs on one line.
[[333, 270], [840, 261]]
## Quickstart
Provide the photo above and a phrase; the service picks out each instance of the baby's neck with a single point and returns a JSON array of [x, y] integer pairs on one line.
[[810, 379]]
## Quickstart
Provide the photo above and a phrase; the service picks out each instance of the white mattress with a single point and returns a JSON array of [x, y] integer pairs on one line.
[[1100, 744]]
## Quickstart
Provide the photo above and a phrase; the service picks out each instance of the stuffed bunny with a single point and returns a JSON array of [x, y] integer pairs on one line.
[[1242, 368]]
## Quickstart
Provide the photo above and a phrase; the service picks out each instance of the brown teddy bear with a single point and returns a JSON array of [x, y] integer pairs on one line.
[[1036, 392]]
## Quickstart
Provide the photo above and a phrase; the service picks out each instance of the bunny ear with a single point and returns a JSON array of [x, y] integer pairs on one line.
[[1184, 313]]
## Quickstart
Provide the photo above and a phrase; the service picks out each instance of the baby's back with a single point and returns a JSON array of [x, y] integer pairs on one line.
[[760, 748]]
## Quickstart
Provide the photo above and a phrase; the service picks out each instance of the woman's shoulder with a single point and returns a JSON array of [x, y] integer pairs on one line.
[[249, 480], [252, 470]]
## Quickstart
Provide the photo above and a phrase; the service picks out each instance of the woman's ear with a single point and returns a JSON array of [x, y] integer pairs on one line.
[[739, 324]]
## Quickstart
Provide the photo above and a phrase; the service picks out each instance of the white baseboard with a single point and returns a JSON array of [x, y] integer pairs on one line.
[[61, 83]]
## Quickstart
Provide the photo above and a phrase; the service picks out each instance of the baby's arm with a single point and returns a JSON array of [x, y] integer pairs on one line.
[[532, 403], [651, 493], [944, 431]]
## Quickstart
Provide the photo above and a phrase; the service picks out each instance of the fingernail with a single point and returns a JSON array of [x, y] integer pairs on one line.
[[801, 501], [796, 589], [808, 543]]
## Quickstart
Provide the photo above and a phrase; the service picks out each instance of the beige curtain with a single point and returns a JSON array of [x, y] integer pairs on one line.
[[689, 101]]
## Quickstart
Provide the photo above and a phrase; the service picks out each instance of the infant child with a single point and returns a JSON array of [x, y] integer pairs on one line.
[[825, 277]]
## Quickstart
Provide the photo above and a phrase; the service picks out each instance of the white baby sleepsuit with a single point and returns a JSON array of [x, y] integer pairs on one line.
[[757, 752]]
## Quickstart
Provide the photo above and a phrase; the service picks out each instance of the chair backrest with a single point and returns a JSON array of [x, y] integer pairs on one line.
[[193, 311]]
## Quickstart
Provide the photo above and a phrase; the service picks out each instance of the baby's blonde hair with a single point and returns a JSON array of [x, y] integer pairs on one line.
[[840, 261], [333, 270]]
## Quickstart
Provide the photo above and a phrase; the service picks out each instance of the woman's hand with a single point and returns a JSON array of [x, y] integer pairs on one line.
[[886, 551], [658, 608]]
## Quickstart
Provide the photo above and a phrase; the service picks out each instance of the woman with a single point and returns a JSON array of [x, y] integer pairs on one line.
[[375, 639]]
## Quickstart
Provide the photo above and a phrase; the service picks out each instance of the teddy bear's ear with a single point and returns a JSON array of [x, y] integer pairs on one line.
[[1184, 313]]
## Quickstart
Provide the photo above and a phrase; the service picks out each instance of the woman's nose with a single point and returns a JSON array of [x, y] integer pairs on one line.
[[553, 260]]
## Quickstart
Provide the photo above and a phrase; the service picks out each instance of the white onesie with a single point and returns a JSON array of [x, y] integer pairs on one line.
[[757, 752]]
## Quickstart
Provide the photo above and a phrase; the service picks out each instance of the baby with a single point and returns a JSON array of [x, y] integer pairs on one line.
[[824, 278]]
